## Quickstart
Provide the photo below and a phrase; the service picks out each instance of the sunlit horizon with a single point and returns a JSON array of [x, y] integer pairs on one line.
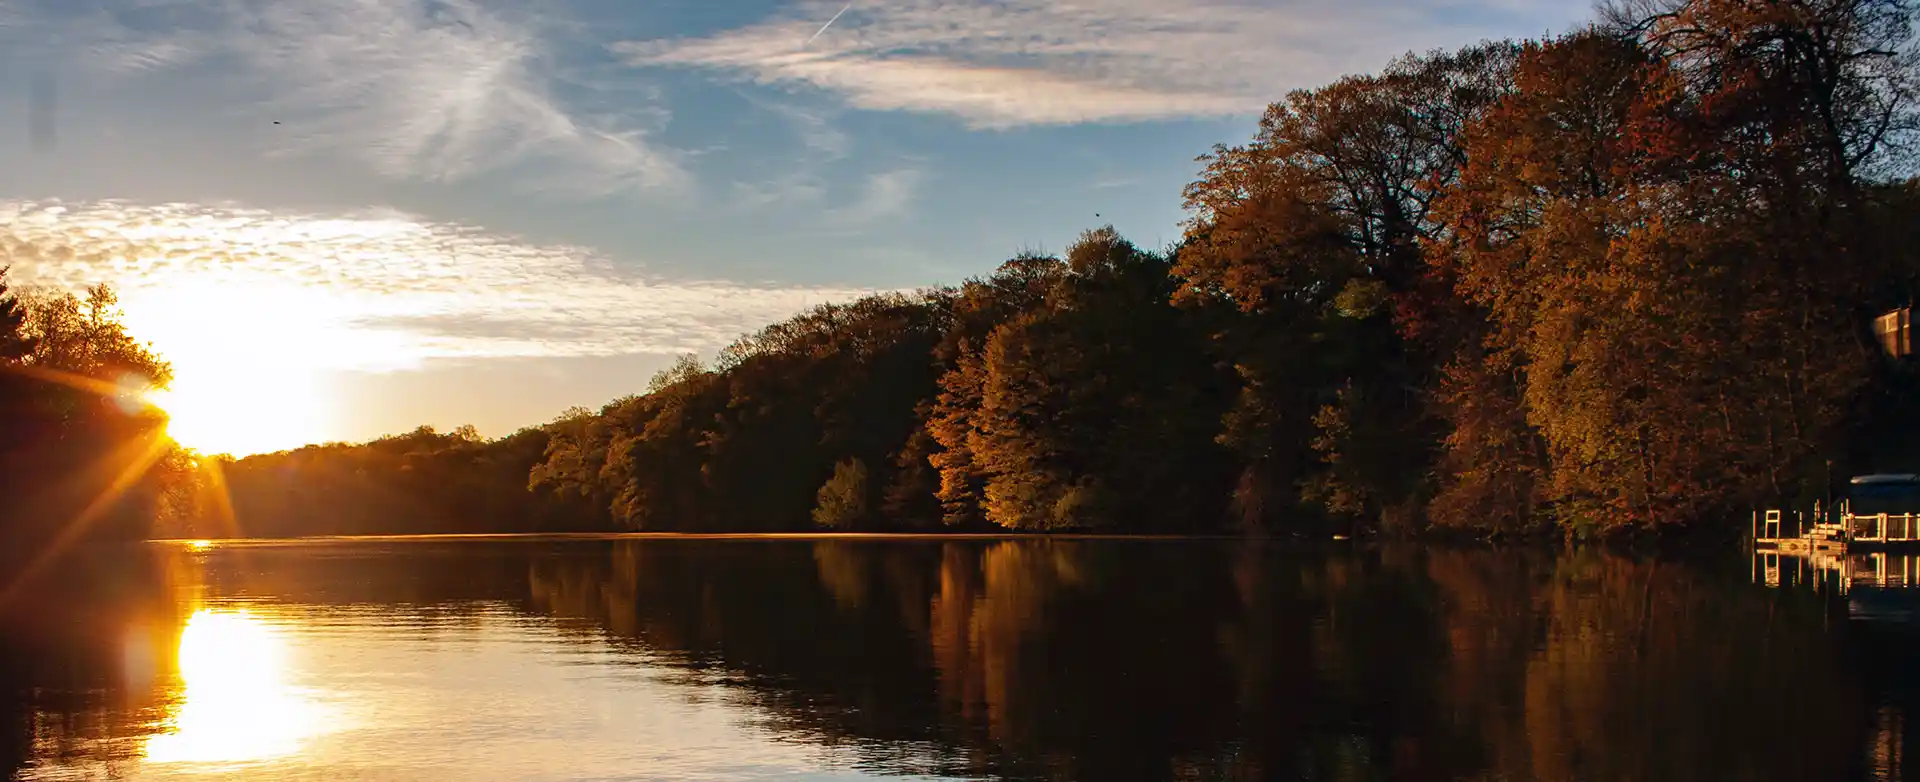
[[228, 420], [280, 325], [213, 414]]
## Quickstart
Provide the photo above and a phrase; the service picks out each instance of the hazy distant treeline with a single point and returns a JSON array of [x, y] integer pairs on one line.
[[1619, 280]]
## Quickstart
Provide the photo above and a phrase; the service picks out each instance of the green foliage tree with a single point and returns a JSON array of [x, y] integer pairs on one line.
[[845, 501]]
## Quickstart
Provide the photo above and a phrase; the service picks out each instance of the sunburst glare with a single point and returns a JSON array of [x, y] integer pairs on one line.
[[247, 386]]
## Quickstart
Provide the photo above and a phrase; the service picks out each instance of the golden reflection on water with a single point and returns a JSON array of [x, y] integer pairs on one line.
[[238, 705], [1023, 659]]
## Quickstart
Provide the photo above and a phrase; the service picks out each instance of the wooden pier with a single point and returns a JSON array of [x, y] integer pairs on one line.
[[1794, 532]]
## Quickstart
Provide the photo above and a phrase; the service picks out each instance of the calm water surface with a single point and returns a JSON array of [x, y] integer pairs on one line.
[[938, 659]]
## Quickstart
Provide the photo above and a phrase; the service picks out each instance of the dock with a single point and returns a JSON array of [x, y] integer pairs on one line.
[[1864, 549], [1803, 534]]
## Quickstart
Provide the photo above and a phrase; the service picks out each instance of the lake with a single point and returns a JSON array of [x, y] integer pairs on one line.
[[845, 659]]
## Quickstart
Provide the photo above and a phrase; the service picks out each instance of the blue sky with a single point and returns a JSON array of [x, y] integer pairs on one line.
[[452, 211]]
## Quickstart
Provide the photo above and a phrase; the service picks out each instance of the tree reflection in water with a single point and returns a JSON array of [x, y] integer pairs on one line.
[[1075, 659], [1092, 660]]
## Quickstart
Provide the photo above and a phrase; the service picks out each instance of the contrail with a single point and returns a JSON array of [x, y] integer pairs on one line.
[[823, 28]]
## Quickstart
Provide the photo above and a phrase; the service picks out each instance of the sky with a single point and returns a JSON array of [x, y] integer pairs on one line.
[[340, 219]]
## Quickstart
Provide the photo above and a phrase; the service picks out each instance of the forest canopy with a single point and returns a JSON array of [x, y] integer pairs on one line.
[[1613, 282]]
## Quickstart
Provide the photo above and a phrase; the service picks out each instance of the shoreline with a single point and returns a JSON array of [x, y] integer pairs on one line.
[[585, 536]]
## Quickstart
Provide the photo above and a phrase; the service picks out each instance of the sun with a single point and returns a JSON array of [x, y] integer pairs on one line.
[[238, 413], [249, 363]]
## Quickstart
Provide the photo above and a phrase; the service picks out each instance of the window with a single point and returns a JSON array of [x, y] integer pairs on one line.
[[1895, 330]]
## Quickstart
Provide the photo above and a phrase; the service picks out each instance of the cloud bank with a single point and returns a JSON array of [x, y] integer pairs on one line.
[[1046, 62], [368, 291]]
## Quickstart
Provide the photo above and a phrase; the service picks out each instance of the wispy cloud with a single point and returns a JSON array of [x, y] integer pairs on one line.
[[815, 128], [801, 180], [369, 291], [1027, 62], [435, 90], [857, 200], [887, 194]]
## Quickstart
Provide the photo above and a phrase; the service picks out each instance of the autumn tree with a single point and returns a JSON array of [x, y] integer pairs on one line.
[[1554, 185], [1096, 408], [1606, 282], [1663, 224], [979, 308], [1314, 234]]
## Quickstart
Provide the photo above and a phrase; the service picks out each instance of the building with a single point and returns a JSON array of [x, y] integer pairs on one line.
[[1895, 332]]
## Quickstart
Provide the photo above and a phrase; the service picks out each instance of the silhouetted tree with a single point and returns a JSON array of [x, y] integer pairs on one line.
[[78, 442]]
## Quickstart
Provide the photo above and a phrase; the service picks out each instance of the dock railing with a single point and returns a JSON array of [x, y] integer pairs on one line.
[[1883, 527], [1775, 524], [1839, 525], [1794, 523]]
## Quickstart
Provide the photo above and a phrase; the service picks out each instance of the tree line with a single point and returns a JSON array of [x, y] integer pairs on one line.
[[1617, 281]]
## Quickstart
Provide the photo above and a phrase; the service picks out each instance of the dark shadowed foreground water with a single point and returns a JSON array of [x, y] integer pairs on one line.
[[856, 659]]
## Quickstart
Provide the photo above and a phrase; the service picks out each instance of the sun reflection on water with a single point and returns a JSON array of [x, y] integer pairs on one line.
[[238, 706]]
